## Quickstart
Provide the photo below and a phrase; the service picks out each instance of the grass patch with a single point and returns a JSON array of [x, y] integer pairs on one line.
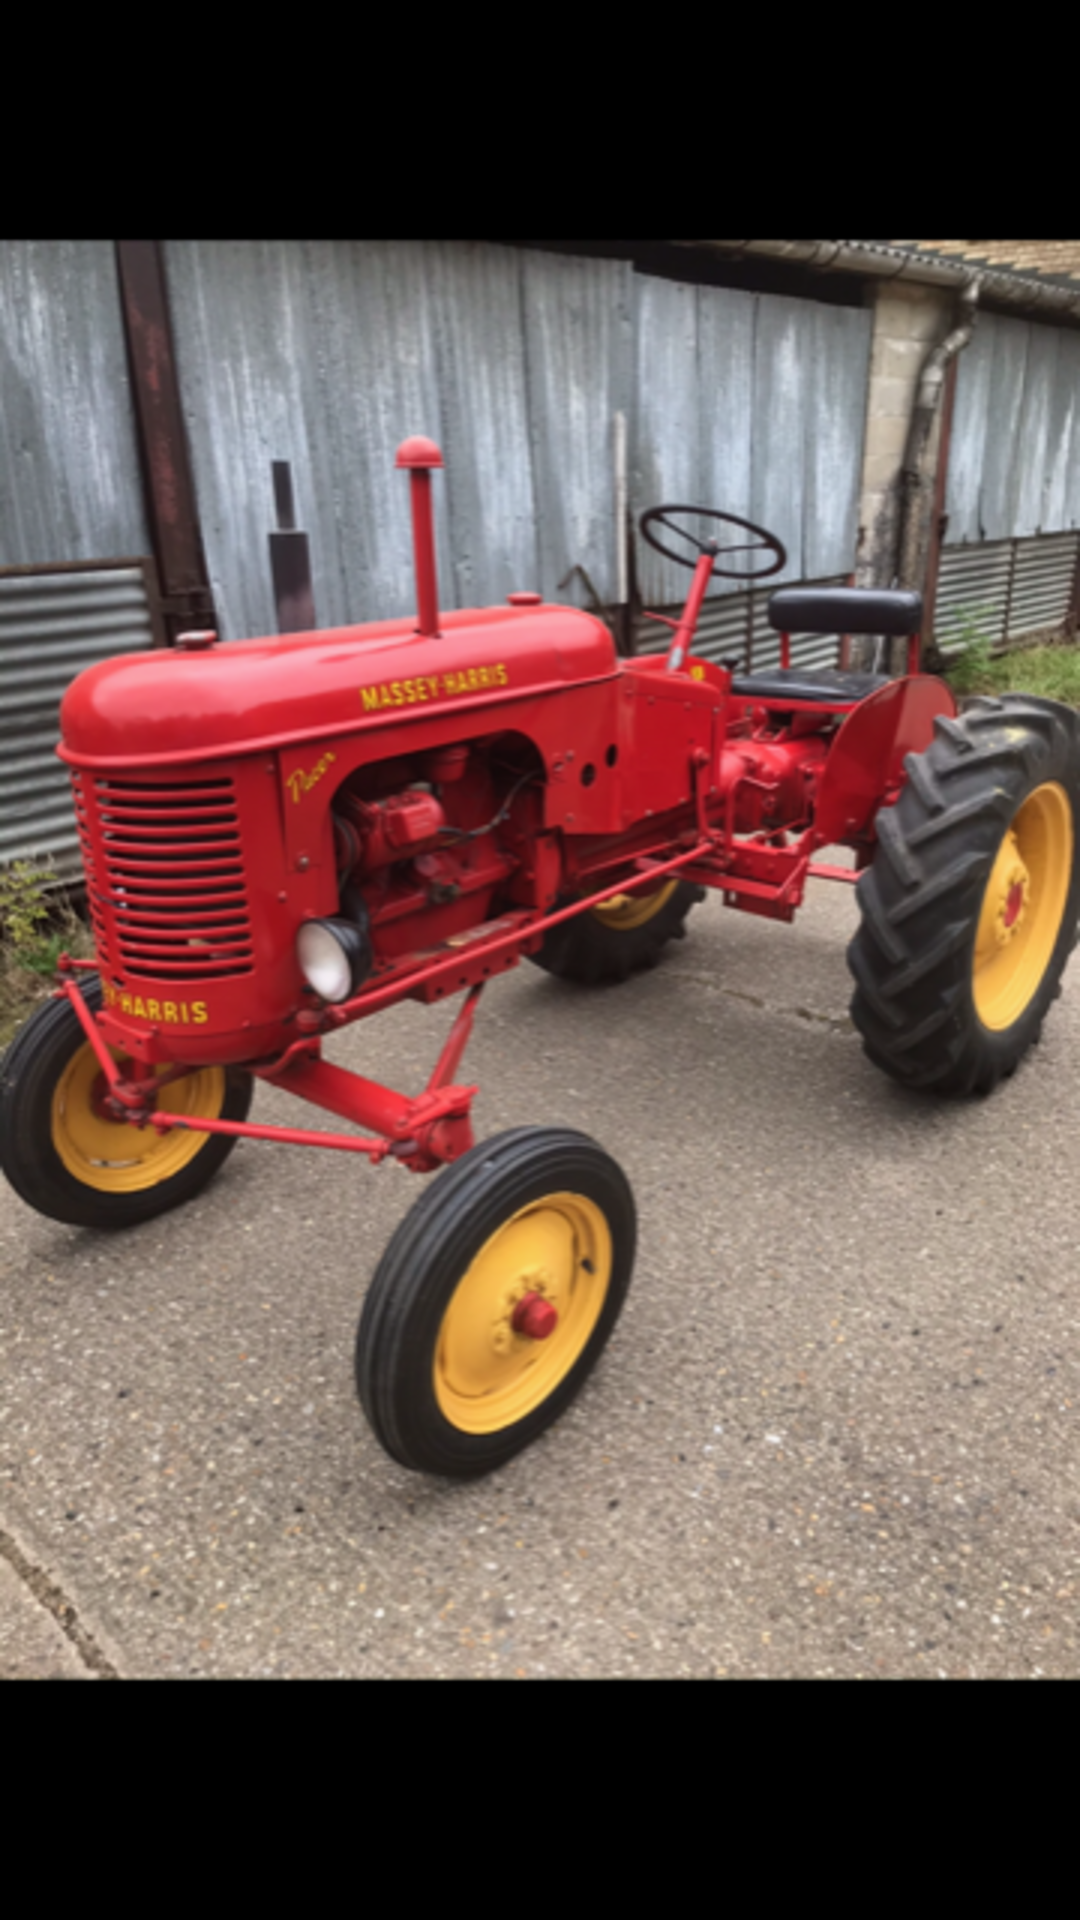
[[1052, 673], [37, 925]]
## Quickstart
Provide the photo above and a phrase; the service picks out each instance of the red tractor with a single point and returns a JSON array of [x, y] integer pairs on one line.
[[283, 836]]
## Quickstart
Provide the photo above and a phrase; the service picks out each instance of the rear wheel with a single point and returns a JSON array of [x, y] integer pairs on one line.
[[68, 1158], [614, 940], [494, 1300], [969, 911]]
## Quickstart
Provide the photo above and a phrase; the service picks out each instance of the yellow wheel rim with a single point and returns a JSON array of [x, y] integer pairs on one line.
[[627, 910], [113, 1157], [486, 1375], [1023, 907]]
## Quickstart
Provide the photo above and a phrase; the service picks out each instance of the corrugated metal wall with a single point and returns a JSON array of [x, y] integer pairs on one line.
[[753, 404], [52, 626], [1014, 457], [328, 354], [69, 472], [69, 491], [736, 627], [1002, 589]]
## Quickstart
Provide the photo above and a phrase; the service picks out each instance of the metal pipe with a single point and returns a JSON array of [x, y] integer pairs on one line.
[[168, 485], [622, 589], [913, 481], [419, 456]]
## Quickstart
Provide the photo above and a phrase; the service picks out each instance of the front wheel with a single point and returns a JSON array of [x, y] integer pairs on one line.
[[609, 942], [494, 1300], [969, 910], [66, 1157]]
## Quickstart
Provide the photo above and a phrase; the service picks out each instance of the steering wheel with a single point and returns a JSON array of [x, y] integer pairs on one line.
[[764, 543]]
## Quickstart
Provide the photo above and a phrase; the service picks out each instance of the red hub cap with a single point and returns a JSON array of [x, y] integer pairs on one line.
[[535, 1317], [1014, 903]]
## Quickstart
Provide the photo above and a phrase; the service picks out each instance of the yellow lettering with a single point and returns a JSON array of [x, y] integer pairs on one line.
[[153, 1011], [407, 693], [300, 782], [170, 1010], [199, 1014], [184, 1012], [125, 1003], [139, 1010]]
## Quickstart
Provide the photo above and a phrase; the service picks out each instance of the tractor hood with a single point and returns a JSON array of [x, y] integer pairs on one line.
[[175, 706]]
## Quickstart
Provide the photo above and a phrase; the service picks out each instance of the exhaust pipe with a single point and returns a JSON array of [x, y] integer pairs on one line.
[[420, 456]]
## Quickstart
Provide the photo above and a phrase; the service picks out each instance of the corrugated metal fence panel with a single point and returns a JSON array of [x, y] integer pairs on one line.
[[836, 400], [783, 377], [1029, 472], [305, 352], [664, 459], [328, 354], [372, 334], [1061, 504], [999, 496], [1070, 513], [1014, 458], [474, 293], [969, 434], [726, 327], [736, 626], [972, 593], [69, 473], [52, 626], [1042, 582], [579, 362], [755, 405], [1001, 590]]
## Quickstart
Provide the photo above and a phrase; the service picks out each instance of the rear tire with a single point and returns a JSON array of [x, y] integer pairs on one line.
[[611, 942], [970, 908]]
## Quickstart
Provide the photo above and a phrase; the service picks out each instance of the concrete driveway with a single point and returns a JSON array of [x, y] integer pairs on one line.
[[835, 1433]]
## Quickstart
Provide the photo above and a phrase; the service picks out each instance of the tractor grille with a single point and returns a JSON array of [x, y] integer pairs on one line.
[[165, 876]]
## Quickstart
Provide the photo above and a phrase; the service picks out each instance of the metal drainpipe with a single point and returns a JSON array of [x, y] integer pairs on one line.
[[914, 479]]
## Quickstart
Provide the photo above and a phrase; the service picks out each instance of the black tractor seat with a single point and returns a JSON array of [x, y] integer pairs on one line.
[[862, 610], [845, 610], [833, 686]]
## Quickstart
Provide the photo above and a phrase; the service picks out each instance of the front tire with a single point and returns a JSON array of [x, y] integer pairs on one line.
[[450, 1383], [69, 1161], [969, 910], [610, 942]]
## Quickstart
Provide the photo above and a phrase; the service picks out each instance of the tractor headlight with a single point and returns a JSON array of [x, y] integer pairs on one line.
[[334, 956]]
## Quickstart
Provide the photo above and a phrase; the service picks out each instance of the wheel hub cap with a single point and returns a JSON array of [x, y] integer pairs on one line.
[[1023, 907]]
